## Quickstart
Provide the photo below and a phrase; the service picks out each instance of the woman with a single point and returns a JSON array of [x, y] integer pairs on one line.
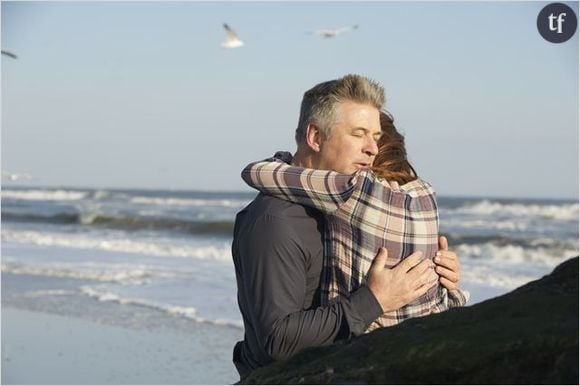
[[387, 206]]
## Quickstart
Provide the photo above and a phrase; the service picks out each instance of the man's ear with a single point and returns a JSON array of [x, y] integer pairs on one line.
[[313, 137]]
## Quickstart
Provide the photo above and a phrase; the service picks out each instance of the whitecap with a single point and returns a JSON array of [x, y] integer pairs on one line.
[[222, 253], [116, 273], [44, 195], [516, 254], [188, 202], [564, 212]]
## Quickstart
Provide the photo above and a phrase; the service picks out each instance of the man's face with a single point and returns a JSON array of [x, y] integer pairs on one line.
[[352, 144]]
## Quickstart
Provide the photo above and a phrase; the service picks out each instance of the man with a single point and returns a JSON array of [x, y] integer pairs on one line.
[[278, 246]]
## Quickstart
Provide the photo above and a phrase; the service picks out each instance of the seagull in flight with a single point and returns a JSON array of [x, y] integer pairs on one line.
[[9, 54], [232, 40], [332, 33], [15, 176]]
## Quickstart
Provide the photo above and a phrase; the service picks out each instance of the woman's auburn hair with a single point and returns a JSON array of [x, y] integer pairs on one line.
[[391, 162]]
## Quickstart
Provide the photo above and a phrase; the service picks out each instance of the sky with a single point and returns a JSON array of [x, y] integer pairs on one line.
[[142, 95]]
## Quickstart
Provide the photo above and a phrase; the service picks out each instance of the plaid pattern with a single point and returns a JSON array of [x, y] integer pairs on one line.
[[363, 213]]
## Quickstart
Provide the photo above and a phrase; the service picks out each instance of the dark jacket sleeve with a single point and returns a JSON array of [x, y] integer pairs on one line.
[[274, 276]]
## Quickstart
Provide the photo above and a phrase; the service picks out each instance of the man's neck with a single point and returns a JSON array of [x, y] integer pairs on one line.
[[303, 158]]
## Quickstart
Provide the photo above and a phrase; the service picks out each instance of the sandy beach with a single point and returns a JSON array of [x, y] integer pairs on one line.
[[43, 348]]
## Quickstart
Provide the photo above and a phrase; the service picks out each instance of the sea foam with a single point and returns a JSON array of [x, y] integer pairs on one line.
[[116, 273], [44, 195], [515, 254], [187, 202], [125, 245], [174, 310], [564, 212]]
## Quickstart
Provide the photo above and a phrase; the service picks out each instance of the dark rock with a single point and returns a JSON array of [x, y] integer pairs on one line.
[[528, 336]]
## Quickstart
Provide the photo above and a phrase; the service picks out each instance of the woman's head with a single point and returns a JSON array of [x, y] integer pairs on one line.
[[391, 162]]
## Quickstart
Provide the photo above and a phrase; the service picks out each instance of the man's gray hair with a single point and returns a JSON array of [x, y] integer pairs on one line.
[[318, 103]]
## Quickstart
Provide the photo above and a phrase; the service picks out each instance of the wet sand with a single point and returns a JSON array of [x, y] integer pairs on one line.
[[45, 348]]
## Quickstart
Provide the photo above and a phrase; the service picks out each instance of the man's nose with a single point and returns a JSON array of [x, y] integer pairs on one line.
[[371, 148]]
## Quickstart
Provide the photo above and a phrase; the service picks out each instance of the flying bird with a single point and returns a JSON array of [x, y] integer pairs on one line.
[[15, 176], [232, 39], [332, 33], [9, 54]]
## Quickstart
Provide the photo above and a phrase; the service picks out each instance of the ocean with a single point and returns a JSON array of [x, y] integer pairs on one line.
[[145, 258]]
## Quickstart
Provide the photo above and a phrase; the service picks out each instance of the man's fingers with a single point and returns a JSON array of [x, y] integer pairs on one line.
[[428, 278], [426, 265], [443, 245], [421, 290], [451, 286], [447, 274], [412, 260], [447, 260]]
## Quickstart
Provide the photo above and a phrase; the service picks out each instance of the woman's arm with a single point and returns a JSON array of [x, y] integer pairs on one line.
[[324, 190]]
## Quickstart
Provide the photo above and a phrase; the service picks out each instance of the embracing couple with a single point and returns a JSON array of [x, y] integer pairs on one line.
[[343, 237]]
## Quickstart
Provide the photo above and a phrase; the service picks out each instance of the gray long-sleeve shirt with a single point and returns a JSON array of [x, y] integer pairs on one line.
[[278, 252]]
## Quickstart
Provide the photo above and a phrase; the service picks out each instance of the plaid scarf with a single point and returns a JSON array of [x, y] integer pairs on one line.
[[363, 213]]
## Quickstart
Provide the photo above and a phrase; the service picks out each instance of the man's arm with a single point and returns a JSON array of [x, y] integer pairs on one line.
[[274, 285], [272, 292]]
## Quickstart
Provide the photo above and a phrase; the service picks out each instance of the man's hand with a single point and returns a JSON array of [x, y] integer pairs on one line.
[[399, 286], [447, 266]]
